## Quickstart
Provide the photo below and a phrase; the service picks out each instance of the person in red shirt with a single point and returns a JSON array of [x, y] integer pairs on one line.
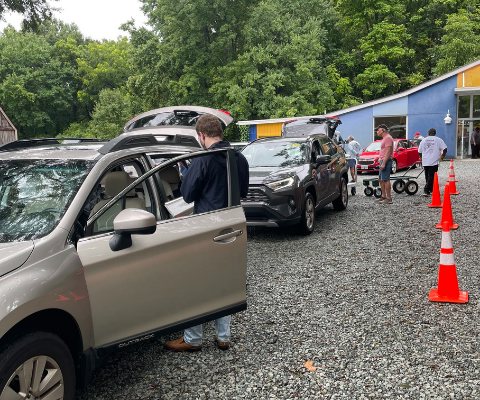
[[385, 158]]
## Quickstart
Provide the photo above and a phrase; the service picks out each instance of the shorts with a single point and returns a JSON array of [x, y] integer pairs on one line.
[[351, 163], [385, 174]]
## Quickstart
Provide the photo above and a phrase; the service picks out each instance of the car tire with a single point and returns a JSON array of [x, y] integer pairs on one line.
[[411, 187], [368, 191], [50, 355], [377, 193], [398, 186], [307, 223], [341, 202], [394, 166]]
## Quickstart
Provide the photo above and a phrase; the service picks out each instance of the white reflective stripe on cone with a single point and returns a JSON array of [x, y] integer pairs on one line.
[[447, 240], [447, 259]]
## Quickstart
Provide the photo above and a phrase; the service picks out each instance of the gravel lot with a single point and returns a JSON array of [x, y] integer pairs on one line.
[[352, 298]]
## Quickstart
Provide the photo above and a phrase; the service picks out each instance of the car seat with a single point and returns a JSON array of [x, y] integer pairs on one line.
[[115, 182], [171, 181]]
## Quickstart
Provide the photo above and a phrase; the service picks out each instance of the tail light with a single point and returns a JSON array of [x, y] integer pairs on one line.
[[225, 112]]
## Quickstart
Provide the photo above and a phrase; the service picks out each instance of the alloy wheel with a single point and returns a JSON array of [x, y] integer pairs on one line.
[[309, 213], [37, 378]]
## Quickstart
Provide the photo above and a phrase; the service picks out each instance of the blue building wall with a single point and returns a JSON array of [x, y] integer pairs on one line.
[[359, 124], [428, 108], [394, 107], [253, 132]]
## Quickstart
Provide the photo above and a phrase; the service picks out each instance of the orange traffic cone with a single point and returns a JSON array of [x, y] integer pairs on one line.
[[447, 215], [447, 290], [451, 184], [451, 172], [436, 200]]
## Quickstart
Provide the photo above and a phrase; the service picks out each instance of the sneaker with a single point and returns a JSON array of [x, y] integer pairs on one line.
[[352, 181], [386, 201], [380, 199], [426, 194]]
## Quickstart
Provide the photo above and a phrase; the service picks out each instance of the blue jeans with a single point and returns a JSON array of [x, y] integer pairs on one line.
[[193, 336], [385, 174]]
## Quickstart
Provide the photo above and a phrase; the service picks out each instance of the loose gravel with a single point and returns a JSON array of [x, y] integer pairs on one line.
[[352, 298]]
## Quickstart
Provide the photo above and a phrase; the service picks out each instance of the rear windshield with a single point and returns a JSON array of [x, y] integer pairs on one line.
[[275, 154], [34, 195], [177, 117], [306, 129]]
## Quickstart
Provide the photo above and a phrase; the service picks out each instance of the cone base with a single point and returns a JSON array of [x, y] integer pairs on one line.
[[455, 193], [461, 298], [435, 205], [440, 226]]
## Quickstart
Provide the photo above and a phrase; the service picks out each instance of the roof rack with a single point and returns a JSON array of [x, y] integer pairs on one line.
[[128, 141], [26, 143]]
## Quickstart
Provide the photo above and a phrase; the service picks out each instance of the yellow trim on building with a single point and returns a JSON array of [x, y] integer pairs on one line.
[[472, 77], [265, 130]]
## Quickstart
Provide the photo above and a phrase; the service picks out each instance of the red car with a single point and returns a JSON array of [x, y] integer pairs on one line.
[[405, 154]]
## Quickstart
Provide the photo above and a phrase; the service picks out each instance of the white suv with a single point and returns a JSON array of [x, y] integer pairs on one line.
[[94, 257]]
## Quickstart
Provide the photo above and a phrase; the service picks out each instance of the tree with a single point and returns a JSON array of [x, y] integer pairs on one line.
[[282, 71], [102, 66], [459, 45], [34, 11], [36, 89]]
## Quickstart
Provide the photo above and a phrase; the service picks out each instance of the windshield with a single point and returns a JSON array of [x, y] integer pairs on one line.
[[275, 154], [177, 117], [34, 195], [375, 146]]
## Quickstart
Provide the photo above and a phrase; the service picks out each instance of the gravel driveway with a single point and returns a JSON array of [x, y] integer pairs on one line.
[[352, 298]]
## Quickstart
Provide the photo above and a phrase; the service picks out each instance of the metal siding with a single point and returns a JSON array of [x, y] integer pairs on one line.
[[265, 130], [359, 124], [429, 107], [394, 107]]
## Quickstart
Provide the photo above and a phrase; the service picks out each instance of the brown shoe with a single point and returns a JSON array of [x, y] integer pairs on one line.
[[222, 345], [181, 345]]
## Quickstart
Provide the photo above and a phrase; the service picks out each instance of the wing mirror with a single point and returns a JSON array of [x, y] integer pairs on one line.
[[128, 222], [401, 149], [323, 159]]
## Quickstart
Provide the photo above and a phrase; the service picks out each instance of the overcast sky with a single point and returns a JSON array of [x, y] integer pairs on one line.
[[97, 19]]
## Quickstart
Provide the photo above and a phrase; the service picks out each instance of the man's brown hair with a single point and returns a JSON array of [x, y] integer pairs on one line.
[[209, 125]]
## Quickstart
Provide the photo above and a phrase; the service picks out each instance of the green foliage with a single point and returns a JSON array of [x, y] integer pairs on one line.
[[34, 11], [35, 88], [102, 66], [460, 44]]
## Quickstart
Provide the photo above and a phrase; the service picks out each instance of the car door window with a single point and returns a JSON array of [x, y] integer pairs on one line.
[[113, 182]]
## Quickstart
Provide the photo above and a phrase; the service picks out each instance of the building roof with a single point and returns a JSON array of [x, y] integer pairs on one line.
[[8, 119], [372, 102]]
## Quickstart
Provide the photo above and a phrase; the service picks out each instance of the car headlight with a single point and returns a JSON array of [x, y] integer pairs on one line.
[[282, 184]]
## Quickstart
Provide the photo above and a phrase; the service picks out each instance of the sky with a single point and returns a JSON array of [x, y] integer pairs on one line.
[[97, 19]]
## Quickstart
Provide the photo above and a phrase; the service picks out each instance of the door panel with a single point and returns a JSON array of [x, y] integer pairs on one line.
[[175, 274], [401, 156]]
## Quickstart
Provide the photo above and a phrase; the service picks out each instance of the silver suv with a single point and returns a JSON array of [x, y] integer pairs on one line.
[[98, 252]]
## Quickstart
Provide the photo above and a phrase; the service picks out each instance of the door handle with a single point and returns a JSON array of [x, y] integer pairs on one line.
[[221, 238]]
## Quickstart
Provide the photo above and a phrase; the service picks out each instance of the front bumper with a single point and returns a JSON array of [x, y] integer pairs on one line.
[[263, 207]]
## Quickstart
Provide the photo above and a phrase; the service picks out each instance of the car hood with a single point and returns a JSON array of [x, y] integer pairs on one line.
[[259, 175], [370, 154], [14, 255]]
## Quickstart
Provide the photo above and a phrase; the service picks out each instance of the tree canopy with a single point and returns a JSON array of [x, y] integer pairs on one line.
[[254, 58]]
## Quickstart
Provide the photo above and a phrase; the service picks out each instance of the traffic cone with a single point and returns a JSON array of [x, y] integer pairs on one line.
[[447, 289], [451, 172], [451, 184], [447, 215], [436, 200]]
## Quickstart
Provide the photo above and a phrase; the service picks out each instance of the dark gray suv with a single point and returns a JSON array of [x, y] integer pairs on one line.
[[291, 178]]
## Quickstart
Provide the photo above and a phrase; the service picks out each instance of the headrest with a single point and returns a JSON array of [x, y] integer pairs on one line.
[[115, 182], [170, 175]]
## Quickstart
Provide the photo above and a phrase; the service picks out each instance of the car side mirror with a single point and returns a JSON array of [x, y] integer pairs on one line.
[[401, 149], [128, 222], [323, 159]]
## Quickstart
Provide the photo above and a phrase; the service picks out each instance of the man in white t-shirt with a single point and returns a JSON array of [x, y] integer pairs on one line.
[[432, 150]]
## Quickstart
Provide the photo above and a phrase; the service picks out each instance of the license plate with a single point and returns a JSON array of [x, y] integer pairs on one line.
[[364, 166]]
